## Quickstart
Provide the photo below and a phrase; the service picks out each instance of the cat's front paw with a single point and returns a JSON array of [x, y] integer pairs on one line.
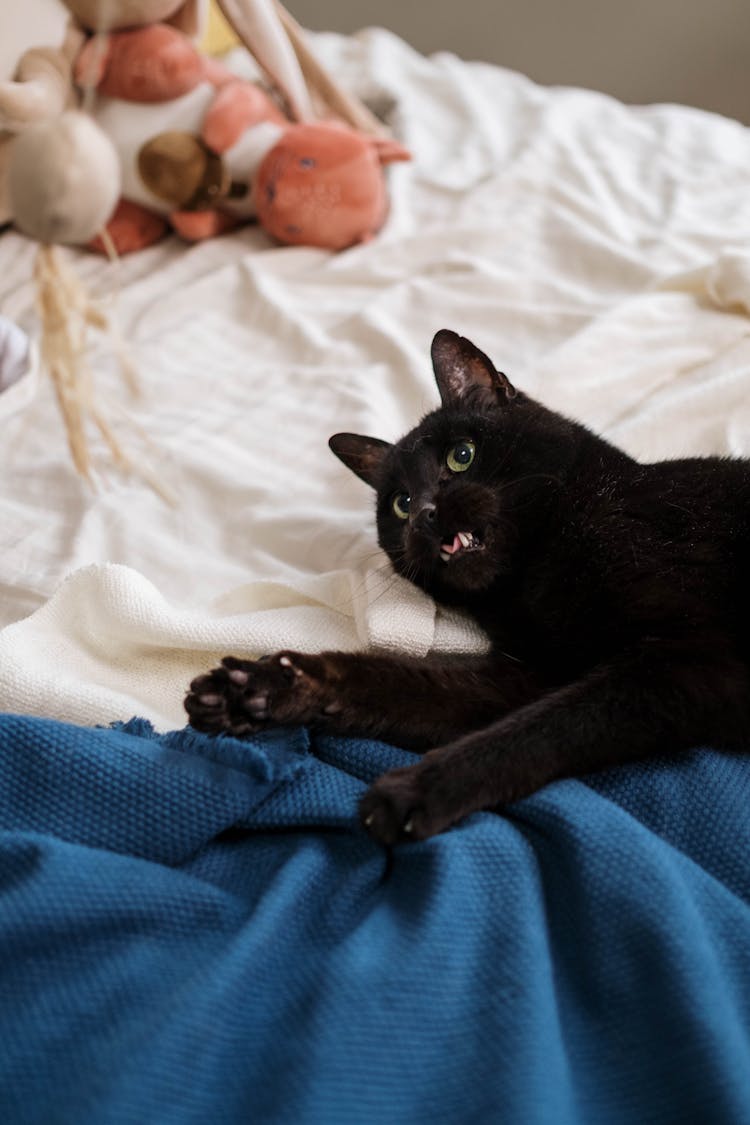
[[244, 696], [411, 803]]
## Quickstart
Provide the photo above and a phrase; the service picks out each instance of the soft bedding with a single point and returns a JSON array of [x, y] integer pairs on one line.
[[195, 930], [597, 251]]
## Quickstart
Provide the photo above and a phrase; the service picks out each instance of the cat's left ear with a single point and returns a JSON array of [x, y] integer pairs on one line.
[[462, 369], [363, 455]]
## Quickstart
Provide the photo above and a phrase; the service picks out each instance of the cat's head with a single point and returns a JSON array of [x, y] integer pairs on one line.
[[454, 495]]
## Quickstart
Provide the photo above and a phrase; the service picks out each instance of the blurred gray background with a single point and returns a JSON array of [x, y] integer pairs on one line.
[[697, 53]]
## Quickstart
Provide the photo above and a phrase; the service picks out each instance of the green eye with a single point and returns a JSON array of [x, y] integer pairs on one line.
[[461, 456], [401, 502]]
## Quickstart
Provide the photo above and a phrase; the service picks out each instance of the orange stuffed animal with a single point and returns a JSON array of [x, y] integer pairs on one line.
[[321, 185]]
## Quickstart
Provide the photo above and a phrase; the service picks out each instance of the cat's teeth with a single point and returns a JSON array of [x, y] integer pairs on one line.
[[465, 539], [444, 556]]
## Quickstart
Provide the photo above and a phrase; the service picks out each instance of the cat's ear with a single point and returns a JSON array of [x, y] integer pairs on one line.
[[461, 369], [363, 455]]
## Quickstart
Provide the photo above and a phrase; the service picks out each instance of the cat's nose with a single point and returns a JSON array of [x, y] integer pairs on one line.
[[424, 518]]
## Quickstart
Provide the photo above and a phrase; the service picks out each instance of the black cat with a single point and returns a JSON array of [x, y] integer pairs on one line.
[[615, 596]]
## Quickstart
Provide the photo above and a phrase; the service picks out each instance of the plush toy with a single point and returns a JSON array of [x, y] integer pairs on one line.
[[178, 139], [35, 78], [189, 135]]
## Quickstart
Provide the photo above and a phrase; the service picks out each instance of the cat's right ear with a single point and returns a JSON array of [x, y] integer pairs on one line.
[[363, 455], [461, 369]]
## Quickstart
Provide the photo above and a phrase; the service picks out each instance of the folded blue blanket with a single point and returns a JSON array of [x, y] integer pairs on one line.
[[197, 930]]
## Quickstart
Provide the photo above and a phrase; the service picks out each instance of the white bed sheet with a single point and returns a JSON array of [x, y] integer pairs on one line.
[[599, 253]]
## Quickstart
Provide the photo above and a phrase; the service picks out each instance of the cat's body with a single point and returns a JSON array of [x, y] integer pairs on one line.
[[615, 596]]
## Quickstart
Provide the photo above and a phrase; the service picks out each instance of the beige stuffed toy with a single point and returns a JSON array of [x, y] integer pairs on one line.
[[59, 173], [35, 76]]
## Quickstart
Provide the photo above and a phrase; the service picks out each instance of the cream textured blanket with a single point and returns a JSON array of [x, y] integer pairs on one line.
[[597, 252]]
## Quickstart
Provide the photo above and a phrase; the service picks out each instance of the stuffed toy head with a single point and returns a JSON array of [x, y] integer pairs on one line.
[[64, 179], [321, 185]]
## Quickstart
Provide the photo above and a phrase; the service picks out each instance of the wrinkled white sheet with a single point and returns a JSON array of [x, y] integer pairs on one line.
[[599, 254]]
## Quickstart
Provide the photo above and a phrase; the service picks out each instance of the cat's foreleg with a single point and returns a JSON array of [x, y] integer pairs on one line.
[[415, 702], [659, 699]]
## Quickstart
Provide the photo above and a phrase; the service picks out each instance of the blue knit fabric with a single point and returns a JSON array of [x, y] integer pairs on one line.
[[196, 930]]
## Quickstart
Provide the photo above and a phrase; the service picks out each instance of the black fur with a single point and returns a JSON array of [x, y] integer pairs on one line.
[[615, 596]]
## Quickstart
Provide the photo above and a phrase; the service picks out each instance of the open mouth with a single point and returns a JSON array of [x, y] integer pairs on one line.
[[462, 543]]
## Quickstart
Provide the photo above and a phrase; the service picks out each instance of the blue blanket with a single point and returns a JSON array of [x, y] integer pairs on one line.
[[196, 930]]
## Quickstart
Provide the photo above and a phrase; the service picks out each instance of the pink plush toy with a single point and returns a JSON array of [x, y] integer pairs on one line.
[[202, 150]]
